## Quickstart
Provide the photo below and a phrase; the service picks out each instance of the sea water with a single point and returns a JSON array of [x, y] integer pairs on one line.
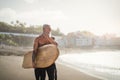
[[103, 64]]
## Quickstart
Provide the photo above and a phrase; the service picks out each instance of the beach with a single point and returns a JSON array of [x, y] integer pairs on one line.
[[11, 69]]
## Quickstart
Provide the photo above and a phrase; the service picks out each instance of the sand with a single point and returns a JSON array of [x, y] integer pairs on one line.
[[11, 69]]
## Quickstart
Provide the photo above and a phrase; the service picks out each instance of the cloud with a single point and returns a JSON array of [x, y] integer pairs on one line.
[[30, 1], [7, 14], [33, 17], [42, 16]]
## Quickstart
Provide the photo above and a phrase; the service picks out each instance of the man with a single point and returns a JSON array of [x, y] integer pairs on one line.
[[44, 39]]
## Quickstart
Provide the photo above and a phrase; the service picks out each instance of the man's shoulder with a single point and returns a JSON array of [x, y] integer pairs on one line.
[[38, 37]]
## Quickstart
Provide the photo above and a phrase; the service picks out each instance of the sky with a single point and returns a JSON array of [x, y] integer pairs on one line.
[[96, 16]]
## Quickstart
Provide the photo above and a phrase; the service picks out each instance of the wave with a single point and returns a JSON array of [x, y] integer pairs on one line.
[[101, 64]]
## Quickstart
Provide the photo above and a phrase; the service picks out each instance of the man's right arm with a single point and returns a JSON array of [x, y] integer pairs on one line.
[[35, 47]]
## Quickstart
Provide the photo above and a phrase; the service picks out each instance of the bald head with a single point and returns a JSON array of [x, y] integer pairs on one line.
[[46, 29], [46, 26]]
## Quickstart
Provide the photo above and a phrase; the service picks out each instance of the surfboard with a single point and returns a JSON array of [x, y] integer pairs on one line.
[[45, 57]]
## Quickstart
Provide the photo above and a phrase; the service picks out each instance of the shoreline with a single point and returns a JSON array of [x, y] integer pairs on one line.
[[11, 69], [82, 71], [20, 51]]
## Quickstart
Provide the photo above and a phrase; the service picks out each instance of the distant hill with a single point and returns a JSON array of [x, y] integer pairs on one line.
[[19, 27]]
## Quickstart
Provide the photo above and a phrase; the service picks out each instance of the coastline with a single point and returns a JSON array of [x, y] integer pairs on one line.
[[20, 51]]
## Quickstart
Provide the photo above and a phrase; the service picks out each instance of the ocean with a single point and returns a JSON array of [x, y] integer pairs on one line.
[[101, 64]]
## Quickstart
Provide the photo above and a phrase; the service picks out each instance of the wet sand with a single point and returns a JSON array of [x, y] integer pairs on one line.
[[11, 69]]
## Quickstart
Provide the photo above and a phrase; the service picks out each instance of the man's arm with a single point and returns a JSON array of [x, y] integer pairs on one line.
[[35, 48]]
